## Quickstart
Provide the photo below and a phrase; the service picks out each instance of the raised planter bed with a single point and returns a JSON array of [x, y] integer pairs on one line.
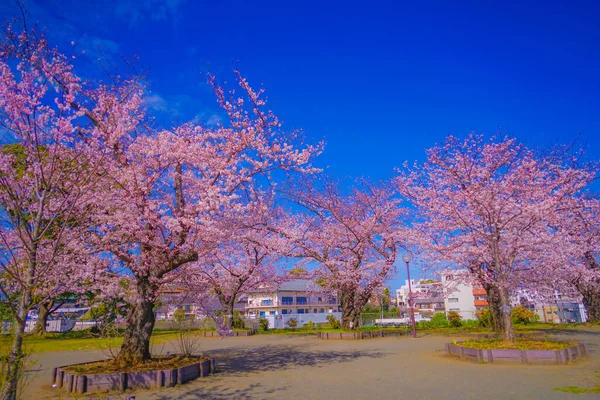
[[563, 356], [121, 381], [478, 336], [357, 335]]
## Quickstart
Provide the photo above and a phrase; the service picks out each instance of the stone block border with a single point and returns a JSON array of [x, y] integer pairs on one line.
[[75, 383], [357, 335], [563, 356], [479, 336]]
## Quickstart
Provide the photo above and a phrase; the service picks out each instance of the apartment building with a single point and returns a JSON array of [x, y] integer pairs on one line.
[[296, 296], [464, 297]]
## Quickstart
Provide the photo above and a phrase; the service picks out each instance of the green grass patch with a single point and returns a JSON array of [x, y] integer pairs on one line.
[[577, 389], [580, 390], [519, 344], [82, 341]]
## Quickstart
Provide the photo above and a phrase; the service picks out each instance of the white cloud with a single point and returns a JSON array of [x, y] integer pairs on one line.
[[214, 120], [155, 10], [156, 102]]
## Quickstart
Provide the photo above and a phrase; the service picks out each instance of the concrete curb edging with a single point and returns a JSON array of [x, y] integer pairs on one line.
[[121, 381], [563, 356]]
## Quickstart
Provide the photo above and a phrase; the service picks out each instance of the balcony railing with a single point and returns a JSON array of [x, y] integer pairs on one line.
[[294, 303]]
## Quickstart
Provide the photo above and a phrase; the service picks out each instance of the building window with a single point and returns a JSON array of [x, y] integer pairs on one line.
[[287, 300], [284, 311], [301, 300], [452, 299], [315, 311], [322, 311], [266, 303], [271, 312], [319, 299], [301, 311]]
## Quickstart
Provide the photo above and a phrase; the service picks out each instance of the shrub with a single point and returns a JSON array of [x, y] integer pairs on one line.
[[263, 324], [454, 319], [522, 315], [309, 325], [292, 323], [238, 322], [188, 342], [484, 318], [439, 320], [333, 322]]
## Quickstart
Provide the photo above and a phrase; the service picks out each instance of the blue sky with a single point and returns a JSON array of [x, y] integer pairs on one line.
[[379, 81]]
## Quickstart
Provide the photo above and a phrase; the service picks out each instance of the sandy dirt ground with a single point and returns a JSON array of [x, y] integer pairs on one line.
[[285, 367]]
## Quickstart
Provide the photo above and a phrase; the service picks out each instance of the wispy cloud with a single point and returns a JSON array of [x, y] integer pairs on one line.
[[182, 108], [136, 12], [156, 102]]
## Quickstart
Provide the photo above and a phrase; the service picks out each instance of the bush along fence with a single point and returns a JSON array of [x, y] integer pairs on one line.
[[563, 356], [357, 335], [121, 381]]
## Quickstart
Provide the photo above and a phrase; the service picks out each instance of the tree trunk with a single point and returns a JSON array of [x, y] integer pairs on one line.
[[499, 301], [140, 323], [14, 361], [43, 313], [350, 313], [591, 299], [228, 315]]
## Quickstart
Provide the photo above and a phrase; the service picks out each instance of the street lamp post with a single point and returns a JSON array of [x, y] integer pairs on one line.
[[406, 258]]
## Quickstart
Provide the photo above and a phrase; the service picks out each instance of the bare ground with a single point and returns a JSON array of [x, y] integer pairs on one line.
[[281, 367]]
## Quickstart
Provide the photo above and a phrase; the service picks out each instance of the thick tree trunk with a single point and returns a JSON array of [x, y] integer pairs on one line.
[[43, 313], [591, 299], [350, 313], [228, 315], [499, 301], [15, 357], [140, 323]]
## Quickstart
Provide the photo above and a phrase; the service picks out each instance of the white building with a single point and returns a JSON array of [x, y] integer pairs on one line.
[[425, 288], [300, 299], [462, 296]]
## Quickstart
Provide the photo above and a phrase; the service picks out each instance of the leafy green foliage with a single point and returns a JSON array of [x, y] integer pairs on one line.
[[522, 315], [484, 318], [454, 319], [309, 325], [292, 323], [263, 324], [439, 320], [333, 322], [238, 322]]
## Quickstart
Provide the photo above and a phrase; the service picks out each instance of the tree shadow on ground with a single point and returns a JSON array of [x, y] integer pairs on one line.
[[246, 360], [222, 392]]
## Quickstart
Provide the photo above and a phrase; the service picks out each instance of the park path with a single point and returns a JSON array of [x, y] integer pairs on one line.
[[285, 367]]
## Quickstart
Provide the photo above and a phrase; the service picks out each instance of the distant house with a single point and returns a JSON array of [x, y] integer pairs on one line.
[[173, 298], [293, 297], [427, 295], [464, 297]]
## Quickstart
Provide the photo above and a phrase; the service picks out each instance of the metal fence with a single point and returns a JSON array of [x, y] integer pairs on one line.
[[283, 320]]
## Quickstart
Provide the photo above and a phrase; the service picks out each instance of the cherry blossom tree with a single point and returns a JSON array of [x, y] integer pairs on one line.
[[486, 206], [352, 238], [577, 238], [46, 178], [245, 261], [159, 193], [170, 190]]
